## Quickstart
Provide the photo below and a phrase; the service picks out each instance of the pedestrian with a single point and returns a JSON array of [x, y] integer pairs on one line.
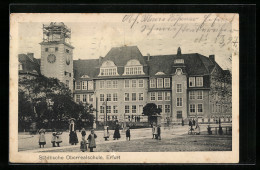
[[58, 138], [83, 133], [91, 140], [156, 131], [83, 145], [159, 132], [128, 133], [42, 140], [116, 133], [153, 131], [73, 138], [53, 138], [106, 133], [182, 122], [193, 122]]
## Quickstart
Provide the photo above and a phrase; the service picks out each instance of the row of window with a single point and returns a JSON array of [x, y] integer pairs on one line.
[[128, 109], [85, 98], [195, 81], [196, 95], [84, 85], [134, 83], [108, 97], [55, 49], [160, 96], [218, 108], [160, 83], [193, 108]]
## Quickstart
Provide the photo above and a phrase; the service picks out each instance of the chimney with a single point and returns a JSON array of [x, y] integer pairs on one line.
[[148, 56], [31, 56], [212, 58], [100, 59], [179, 51]]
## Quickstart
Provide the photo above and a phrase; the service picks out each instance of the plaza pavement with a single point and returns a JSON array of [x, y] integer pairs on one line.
[[29, 143]]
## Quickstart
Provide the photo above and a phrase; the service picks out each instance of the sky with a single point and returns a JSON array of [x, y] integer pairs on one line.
[[97, 34]]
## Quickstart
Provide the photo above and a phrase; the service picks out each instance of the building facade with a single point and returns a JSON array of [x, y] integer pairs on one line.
[[120, 84]]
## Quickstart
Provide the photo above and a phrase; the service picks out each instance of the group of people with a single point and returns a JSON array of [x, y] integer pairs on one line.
[[156, 131], [116, 135]]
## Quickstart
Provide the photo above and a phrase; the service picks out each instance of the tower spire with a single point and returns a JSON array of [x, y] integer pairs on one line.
[[179, 51]]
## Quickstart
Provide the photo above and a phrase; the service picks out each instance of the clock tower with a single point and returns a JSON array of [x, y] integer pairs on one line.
[[57, 53]]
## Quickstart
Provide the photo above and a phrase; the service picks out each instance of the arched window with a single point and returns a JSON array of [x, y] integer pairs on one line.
[[108, 68], [133, 67]]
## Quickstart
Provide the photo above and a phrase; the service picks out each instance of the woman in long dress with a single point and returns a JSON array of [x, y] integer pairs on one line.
[[117, 133], [73, 140], [91, 140]]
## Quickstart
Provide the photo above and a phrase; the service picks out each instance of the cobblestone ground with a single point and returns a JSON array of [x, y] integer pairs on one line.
[[181, 143]]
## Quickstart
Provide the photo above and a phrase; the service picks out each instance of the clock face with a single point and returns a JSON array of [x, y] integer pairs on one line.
[[67, 60], [51, 58]]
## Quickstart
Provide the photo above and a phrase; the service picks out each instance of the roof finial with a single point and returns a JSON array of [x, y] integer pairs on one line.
[[179, 51]]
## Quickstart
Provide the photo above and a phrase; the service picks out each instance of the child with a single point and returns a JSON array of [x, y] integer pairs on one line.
[[58, 138], [106, 133], [83, 145], [42, 140], [54, 138], [128, 133], [91, 140], [83, 133]]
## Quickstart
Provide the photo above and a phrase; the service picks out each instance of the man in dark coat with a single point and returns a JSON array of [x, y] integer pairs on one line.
[[159, 132], [193, 122], [117, 133]]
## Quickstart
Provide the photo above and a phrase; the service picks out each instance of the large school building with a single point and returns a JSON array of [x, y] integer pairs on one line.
[[121, 83]]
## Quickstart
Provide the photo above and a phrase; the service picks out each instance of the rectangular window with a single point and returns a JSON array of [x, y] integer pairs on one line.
[[133, 96], [108, 97], [179, 88], [84, 85], [67, 83], [126, 109], [179, 102], [179, 114], [102, 109], [167, 108], [126, 96], [108, 109], [90, 97], [77, 98], [161, 107], [114, 84], [140, 83], [90, 85], [152, 97], [213, 108], [166, 82], [102, 97], [192, 95], [159, 83], [84, 98], [67, 51], [115, 97], [192, 81], [46, 49], [109, 84], [127, 83], [56, 49], [200, 108], [192, 108], [200, 95], [102, 84], [115, 110], [167, 96], [51, 49], [78, 85], [141, 109], [141, 96], [152, 83], [133, 83], [134, 109], [199, 81], [160, 96]]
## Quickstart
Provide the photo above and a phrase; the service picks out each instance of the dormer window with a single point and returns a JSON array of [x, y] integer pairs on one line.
[[178, 71], [179, 61], [133, 67], [108, 68]]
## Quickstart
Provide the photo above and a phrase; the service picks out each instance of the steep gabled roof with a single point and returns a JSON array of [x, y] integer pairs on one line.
[[85, 67], [121, 55], [29, 65]]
